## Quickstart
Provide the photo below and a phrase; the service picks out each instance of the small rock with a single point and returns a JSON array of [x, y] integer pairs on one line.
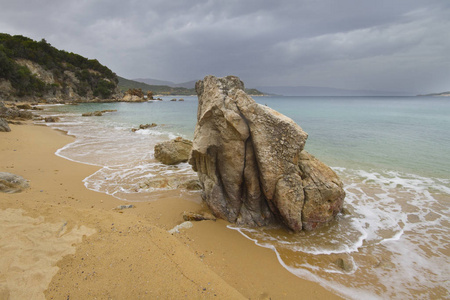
[[120, 207], [201, 216], [95, 113], [174, 151], [344, 265], [11, 183], [51, 119], [184, 225]]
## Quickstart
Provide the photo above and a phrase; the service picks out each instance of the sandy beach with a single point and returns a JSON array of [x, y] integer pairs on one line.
[[60, 240]]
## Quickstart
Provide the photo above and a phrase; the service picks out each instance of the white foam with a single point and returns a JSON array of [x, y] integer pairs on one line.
[[380, 203]]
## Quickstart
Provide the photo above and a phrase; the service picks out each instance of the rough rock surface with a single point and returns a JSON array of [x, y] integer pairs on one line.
[[250, 162], [174, 151], [51, 119], [12, 113], [4, 127], [11, 183]]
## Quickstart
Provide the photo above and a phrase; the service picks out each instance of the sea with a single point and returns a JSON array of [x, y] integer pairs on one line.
[[392, 154]]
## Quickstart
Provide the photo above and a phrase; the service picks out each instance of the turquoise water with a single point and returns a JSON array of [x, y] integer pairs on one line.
[[392, 153]]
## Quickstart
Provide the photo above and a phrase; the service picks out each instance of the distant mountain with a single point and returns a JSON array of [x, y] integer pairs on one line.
[[443, 94], [166, 87], [187, 85], [125, 84], [150, 81], [323, 91]]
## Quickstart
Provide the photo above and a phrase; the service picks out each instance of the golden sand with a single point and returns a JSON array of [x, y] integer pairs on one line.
[[60, 240]]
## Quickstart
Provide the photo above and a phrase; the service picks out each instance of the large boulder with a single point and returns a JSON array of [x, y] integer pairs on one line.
[[11, 183], [173, 152], [251, 164], [4, 127]]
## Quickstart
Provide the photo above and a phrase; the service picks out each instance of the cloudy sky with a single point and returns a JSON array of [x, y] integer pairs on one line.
[[389, 45]]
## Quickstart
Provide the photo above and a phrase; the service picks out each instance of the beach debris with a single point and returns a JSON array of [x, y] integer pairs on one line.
[[184, 225], [200, 216], [4, 127], [51, 119], [11, 183], [121, 207], [174, 151], [251, 164]]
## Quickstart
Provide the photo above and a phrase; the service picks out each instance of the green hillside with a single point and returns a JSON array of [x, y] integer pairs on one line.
[[55, 72], [125, 84]]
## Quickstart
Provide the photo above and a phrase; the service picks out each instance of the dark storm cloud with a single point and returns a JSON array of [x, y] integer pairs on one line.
[[384, 45]]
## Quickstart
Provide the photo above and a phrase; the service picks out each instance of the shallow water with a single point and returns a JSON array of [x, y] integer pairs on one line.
[[392, 154]]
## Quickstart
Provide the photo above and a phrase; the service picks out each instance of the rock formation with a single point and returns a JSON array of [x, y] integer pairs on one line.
[[12, 113], [251, 164], [173, 152], [134, 95]]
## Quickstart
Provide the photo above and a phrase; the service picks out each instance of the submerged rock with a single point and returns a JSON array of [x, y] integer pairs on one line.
[[11, 183], [173, 152], [251, 164], [51, 119], [144, 126]]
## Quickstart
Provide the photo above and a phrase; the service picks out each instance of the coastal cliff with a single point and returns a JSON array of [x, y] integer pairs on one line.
[[37, 71]]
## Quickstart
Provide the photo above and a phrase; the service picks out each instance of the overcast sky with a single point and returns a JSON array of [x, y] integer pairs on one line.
[[389, 45]]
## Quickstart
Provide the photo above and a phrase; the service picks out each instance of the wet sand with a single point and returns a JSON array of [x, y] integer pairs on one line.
[[60, 240]]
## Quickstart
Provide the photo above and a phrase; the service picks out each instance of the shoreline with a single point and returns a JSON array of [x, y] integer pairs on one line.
[[125, 253]]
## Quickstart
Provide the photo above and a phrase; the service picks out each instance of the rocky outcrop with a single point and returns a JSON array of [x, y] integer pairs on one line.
[[173, 152], [134, 95], [251, 164], [13, 113], [11, 183], [4, 127], [144, 126]]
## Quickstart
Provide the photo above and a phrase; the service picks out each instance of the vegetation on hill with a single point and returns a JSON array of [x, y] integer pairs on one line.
[[126, 84], [89, 75]]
